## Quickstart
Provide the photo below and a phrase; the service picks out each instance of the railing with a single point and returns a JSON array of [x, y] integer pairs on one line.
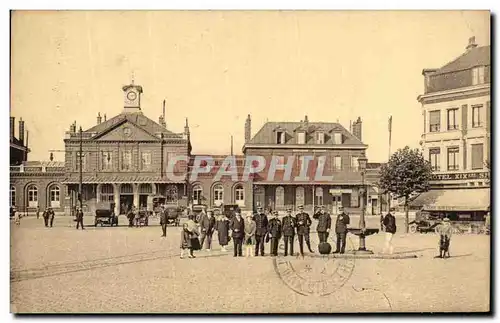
[[36, 169]]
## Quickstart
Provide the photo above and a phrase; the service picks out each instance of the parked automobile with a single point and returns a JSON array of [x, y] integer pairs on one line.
[[105, 214]]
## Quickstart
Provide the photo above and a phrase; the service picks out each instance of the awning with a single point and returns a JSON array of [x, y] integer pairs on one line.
[[474, 199], [104, 179]]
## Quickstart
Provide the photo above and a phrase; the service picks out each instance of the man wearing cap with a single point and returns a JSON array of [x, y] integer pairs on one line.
[[324, 224], [274, 230], [237, 226], [261, 223], [303, 226], [341, 230], [390, 229], [207, 227], [289, 224]]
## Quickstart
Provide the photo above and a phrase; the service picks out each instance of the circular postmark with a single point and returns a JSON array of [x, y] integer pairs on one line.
[[314, 274]]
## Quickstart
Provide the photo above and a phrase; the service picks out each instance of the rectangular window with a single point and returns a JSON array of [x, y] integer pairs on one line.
[[354, 163], [453, 158], [320, 138], [280, 137], [145, 160], [434, 154], [337, 163], [434, 121], [477, 156], [478, 75], [476, 116], [106, 160], [337, 138], [301, 138], [452, 119], [82, 159], [127, 160]]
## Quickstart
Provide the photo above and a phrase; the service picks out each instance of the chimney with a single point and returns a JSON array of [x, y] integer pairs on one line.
[[248, 129], [72, 127], [472, 43], [356, 129], [186, 130], [231, 145], [12, 130], [21, 131], [26, 145], [105, 117], [51, 158], [99, 118]]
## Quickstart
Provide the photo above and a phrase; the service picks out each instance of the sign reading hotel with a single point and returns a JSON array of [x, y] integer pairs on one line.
[[460, 176]]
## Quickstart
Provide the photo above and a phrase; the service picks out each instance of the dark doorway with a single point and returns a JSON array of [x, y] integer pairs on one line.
[[346, 199], [126, 202], [143, 200]]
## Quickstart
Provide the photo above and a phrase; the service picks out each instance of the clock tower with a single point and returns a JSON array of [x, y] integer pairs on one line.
[[132, 98]]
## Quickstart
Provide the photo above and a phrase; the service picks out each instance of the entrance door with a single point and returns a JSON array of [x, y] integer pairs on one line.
[[374, 206], [346, 200], [126, 198]]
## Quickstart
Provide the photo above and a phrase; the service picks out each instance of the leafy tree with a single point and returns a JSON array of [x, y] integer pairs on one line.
[[407, 172]]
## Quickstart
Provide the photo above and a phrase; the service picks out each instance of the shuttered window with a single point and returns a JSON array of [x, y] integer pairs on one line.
[[434, 121], [477, 156], [453, 158], [434, 158]]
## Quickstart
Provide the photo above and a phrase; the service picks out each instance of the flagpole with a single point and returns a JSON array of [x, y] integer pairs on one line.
[[389, 158]]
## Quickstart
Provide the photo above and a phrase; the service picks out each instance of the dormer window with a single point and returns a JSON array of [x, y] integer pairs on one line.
[[301, 138], [478, 75], [337, 138], [280, 137], [320, 138]]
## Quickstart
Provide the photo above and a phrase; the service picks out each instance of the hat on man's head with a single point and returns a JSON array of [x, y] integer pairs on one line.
[[275, 212], [446, 220], [392, 209], [341, 208], [300, 206], [289, 209]]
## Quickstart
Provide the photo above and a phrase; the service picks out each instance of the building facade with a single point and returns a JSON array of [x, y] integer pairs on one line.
[[456, 134], [127, 158]]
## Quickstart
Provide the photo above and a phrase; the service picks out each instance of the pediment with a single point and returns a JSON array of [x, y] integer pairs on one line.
[[127, 131]]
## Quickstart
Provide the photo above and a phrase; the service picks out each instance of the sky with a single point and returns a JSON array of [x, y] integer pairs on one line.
[[217, 67]]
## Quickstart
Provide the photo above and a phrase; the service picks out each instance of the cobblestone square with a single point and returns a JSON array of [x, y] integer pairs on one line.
[[134, 270]]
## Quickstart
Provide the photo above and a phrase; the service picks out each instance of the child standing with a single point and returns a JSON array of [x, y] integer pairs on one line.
[[444, 230], [250, 228], [186, 237]]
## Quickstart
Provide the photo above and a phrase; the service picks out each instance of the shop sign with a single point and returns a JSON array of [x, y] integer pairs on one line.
[[448, 208], [460, 176]]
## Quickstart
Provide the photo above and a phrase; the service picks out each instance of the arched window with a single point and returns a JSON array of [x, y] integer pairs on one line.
[[197, 194], [239, 195], [145, 189], [319, 196], [299, 196], [55, 196], [32, 196], [259, 196], [218, 194], [12, 196], [280, 196], [107, 193]]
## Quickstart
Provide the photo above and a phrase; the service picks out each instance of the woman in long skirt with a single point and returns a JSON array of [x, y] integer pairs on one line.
[[222, 227]]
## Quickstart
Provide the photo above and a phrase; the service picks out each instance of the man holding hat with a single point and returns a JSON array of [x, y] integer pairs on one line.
[[289, 224], [303, 226], [341, 230], [324, 224], [274, 230], [261, 223]]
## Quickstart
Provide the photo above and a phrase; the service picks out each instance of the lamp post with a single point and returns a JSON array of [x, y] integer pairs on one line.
[[362, 225], [80, 157]]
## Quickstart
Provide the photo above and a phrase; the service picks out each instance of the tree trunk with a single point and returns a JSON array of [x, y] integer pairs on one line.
[[406, 215]]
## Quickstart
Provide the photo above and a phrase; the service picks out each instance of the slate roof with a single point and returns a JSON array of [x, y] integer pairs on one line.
[[478, 56], [267, 134], [137, 118]]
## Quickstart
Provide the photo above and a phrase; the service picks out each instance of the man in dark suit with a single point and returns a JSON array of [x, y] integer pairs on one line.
[[51, 216], [79, 218], [261, 223], [46, 215], [237, 226], [207, 228], [289, 224], [163, 220], [303, 226], [341, 230], [324, 224], [274, 230]]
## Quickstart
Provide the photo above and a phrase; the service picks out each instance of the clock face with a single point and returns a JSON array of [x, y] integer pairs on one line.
[[131, 96]]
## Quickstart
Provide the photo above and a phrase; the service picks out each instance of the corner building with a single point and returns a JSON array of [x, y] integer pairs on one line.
[[456, 135]]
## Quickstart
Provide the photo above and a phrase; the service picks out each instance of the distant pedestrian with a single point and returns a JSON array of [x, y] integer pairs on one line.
[[237, 226], [79, 218], [274, 230], [17, 216], [250, 228], [341, 224], [390, 229], [38, 212], [52, 216], [222, 227], [46, 215], [444, 230], [163, 220]]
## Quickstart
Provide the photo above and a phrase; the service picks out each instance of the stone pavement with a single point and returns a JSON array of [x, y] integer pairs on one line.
[[133, 270]]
